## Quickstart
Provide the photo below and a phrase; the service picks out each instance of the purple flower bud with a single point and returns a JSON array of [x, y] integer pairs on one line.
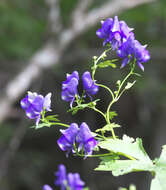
[[34, 104], [69, 87], [66, 141], [88, 84], [74, 181], [114, 32], [132, 50], [86, 139], [47, 187], [61, 177]]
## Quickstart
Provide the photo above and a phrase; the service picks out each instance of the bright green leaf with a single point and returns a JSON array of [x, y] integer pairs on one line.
[[126, 146], [75, 109], [160, 172], [129, 85], [112, 114], [41, 125], [107, 63], [108, 127], [121, 167], [52, 118]]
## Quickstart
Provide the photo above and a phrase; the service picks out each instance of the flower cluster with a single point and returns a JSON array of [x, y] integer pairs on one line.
[[69, 86], [122, 39], [34, 104], [82, 136], [66, 181]]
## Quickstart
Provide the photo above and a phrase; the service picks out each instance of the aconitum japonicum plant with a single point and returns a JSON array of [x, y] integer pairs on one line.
[[122, 155]]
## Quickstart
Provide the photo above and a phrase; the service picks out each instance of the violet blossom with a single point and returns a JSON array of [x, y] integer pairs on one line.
[[67, 140], [74, 181], [69, 87], [114, 32], [34, 104], [85, 139], [47, 187], [132, 50], [88, 84], [61, 177]]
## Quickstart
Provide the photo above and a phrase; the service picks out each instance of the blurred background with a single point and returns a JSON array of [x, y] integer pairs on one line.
[[41, 41]]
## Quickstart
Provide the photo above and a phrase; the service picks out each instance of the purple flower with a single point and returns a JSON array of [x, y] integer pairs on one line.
[[114, 32], [74, 181], [85, 139], [67, 140], [34, 104], [47, 187], [61, 179], [65, 181], [69, 87], [132, 50], [88, 84]]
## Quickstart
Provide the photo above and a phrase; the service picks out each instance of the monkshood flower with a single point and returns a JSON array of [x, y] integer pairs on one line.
[[67, 140], [132, 50], [34, 104], [66, 181], [88, 84], [47, 187], [69, 87], [114, 32], [61, 177], [74, 181], [82, 136], [85, 139]]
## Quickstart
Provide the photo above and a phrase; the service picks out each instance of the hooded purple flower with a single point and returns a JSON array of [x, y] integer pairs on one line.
[[132, 50], [88, 84], [34, 104], [67, 140], [69, 87], [74, 181], [85, 139], [61, 179], [114, 32], [47, 187]]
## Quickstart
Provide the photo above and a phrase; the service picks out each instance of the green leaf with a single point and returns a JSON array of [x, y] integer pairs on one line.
[[121, 167], [129, 85], [41, 125], [107, 63], [112, 114], [108, 127], [130, 147], [75, 109], [160, 172], [52, 118]]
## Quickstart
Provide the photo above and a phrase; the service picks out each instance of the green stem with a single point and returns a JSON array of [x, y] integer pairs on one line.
[[97, 110], [108, 118], [121, 85], [107, 88], [61, 124]]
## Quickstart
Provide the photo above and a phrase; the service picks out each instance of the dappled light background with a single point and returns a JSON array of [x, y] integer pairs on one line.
[[41, 41]]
